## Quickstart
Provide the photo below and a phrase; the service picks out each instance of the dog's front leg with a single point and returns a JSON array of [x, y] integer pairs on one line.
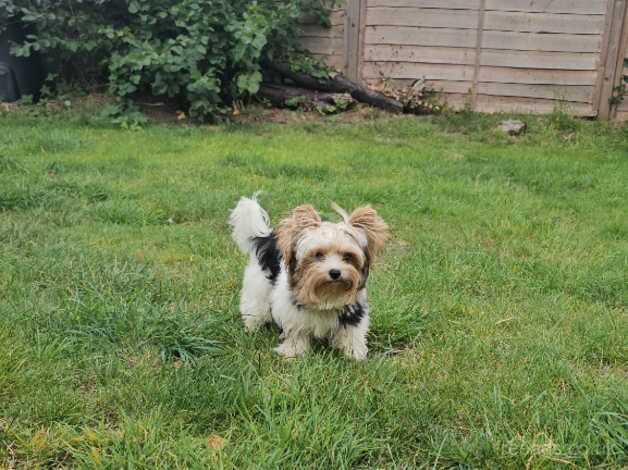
[[351, 340], [293, 344]]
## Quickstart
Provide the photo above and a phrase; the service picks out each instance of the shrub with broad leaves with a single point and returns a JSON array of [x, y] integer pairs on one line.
[[203, 54]]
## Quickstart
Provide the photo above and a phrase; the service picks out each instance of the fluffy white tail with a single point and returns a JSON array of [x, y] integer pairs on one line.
[[248, 220]]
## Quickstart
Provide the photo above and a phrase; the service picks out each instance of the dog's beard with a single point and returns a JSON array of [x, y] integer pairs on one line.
[[313, 288]]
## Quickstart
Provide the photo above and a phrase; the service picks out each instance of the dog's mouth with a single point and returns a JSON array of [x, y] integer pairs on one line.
[[335, 292], [339, 286]]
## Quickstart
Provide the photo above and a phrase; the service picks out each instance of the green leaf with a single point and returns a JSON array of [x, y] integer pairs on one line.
[[249, 82]]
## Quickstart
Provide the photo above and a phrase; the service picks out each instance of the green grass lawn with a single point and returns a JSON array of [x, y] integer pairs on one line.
[[498, 335]]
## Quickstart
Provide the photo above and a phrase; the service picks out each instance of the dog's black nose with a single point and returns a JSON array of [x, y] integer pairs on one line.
[[334, 274]]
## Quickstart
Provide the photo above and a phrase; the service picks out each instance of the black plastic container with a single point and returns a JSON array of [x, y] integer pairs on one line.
[[19, 76]]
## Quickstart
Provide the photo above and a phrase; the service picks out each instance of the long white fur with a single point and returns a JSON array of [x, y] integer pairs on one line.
[[248, 220], [261, 301]]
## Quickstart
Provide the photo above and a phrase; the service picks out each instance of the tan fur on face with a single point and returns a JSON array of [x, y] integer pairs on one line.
[[290, 229], [349, 247], [366, 219], [312, 285]]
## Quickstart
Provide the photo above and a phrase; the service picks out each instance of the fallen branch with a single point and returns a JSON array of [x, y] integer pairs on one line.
[[337, 83], [284, 96]]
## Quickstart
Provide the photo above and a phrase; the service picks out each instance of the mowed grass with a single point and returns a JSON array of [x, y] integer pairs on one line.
[[498, 334]]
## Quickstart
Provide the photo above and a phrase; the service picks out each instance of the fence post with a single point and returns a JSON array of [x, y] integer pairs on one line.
[[354, 28], [621, 68], [611, 59]]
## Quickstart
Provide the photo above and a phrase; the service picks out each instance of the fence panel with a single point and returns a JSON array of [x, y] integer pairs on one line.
[[493, 55]]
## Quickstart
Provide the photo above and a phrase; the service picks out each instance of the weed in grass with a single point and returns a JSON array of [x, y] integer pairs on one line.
[[20, 198], [262, 167], [9, 165], [561, 121], [466, 122]]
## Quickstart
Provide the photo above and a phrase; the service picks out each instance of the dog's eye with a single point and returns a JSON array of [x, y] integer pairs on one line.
[[348, 257], [319, 255]]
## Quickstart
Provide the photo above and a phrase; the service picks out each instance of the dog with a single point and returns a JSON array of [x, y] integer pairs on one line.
[[307, 275]]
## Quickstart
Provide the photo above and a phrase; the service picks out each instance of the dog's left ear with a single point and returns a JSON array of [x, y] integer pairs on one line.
[[366, 219]]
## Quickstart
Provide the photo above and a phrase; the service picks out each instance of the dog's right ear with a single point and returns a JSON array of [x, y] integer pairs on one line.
[[290, 229]]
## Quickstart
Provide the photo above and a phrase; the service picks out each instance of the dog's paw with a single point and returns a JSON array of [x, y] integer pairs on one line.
[[250, 329], [293, 346], [286, 350], [357, 352], [252, 324]]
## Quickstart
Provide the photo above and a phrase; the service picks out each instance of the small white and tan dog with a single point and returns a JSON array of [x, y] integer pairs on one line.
[[307, 275]]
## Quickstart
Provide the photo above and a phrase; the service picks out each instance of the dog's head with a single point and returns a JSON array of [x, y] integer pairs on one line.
[[328, 263]]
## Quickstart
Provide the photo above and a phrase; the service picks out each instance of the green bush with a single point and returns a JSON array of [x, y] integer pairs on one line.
[[201, 53]]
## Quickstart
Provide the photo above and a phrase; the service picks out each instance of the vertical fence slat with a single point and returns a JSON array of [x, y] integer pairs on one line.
[[352, 44], [621, 69], [478, 52], [610, 58]]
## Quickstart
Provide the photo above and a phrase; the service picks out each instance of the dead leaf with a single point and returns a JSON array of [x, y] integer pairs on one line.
[[215, 441]]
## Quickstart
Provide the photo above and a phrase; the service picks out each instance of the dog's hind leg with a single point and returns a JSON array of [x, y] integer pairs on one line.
[[253, 235], [255, 297]]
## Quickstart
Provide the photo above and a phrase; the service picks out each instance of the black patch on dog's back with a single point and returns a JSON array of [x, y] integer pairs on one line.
[[351, 314], [268, 256]]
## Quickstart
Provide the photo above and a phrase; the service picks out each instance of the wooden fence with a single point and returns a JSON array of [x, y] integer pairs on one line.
[[621, 111], [490, 55]]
